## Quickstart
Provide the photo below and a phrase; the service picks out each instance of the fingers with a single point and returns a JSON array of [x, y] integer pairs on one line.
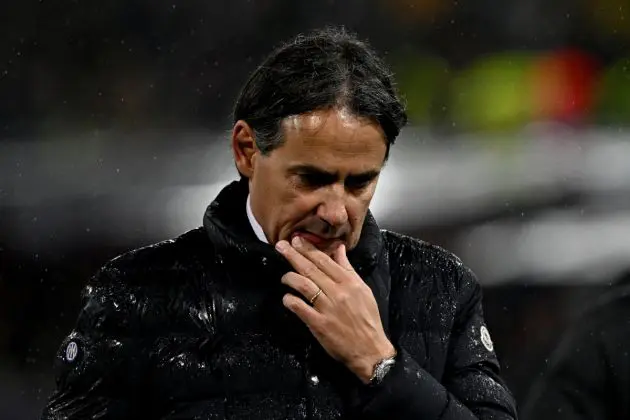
[[304, 266], [336, 268], [306, 288], [341, 258], [309, 315]]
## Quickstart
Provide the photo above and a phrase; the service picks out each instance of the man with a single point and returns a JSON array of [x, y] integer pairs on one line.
[[589, 374], [289, 302]]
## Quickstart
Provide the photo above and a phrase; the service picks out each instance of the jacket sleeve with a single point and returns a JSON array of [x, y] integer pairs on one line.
[[98, 366], [582, 370], [470, 388]]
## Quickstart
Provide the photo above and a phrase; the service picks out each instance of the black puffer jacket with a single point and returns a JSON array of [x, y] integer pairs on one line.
[[195, 328], [588, 377]]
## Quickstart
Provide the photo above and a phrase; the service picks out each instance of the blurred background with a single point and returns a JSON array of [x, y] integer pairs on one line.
[[114, 121]]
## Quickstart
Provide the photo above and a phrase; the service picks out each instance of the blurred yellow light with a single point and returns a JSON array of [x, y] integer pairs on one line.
[[494, 93], [420, 79]]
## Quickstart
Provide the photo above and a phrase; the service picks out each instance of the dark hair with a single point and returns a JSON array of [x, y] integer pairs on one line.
[[324, 69]]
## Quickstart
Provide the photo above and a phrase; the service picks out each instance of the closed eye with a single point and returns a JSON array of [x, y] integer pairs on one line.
[[313, 179], [359, 182]]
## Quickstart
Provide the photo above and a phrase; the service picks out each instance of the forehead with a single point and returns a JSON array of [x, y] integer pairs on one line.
[[333, 136]]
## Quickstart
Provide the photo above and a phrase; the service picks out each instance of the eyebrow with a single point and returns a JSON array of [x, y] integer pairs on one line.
[[310, 169]]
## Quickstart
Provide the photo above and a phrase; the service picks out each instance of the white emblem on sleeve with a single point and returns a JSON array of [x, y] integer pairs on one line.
[[485, 338], [71, 351]]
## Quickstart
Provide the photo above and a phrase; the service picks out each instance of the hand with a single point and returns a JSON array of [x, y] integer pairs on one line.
[[344, 317]]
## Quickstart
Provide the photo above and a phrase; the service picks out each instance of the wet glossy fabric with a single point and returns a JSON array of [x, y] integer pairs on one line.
[[194, 328]]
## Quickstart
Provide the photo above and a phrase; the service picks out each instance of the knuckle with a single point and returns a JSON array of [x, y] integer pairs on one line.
[[319, 260], [360, 287], [343, 297], [304, 288], [288, 279], [294, 305], [356, 286], [310, 271]]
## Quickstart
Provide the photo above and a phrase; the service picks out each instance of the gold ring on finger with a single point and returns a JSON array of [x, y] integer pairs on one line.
[[314, 298]]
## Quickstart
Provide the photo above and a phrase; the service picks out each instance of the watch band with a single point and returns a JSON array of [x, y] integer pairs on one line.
[[381, 369]]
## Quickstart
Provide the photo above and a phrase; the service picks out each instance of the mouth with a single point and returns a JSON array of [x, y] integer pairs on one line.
[[318, 241]]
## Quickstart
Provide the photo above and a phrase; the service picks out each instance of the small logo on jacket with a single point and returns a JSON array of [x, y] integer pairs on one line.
[[71, 351], [485, 338]]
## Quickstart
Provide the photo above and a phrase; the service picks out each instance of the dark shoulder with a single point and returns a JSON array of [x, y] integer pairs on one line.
[[618, 298], [131, 291], [598, 332], [414, 254], [429, 277], [609, 312], [147, 264]]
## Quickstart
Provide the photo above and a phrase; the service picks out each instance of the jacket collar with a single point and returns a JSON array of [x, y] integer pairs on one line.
[[225, 221]]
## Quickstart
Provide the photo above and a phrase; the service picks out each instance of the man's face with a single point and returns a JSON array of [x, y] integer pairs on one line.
[[320, 182]]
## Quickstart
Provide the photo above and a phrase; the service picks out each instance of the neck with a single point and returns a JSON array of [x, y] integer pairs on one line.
[[258, 230]]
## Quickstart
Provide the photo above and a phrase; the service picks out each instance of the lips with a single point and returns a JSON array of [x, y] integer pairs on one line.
[[318, 241]]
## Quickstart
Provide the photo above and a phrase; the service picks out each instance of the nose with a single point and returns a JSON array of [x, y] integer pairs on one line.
[[332, 209]]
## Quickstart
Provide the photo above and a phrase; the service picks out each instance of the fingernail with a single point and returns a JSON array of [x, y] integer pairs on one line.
[[297, 241], [281, 246]]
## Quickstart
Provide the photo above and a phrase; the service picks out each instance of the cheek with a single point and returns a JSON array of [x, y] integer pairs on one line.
[[357, 210], [304, 204], [294, 207]]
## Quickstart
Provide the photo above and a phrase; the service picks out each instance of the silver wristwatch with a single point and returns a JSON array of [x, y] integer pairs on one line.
[[381, 369]]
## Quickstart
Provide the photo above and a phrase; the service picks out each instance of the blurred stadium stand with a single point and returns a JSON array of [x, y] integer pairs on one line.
[[114, 119]]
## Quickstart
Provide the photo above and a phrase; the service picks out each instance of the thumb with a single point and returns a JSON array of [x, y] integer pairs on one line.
[[341, 258]]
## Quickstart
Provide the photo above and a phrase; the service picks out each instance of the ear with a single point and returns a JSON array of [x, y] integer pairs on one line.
[[244, 148]]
